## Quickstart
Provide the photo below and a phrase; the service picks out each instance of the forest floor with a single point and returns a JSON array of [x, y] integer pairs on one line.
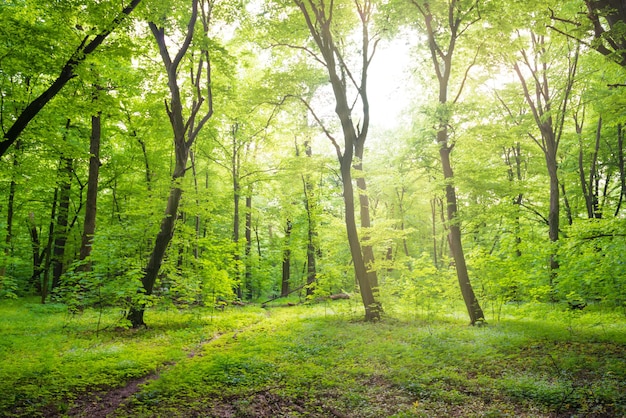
[[318, 360]]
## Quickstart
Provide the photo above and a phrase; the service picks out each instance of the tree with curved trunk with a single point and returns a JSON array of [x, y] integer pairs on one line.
[[185, 130], [319, 16], [87, 46], [443, 33]]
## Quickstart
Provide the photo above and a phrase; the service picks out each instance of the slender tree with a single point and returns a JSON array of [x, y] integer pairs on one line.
[[443, 32], [319, 17], [185, 130], [89, 225], [548, 111]]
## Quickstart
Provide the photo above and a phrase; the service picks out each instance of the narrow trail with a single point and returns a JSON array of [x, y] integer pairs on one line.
[[102, 404]]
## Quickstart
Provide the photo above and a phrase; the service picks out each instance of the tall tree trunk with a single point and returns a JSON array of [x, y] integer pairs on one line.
[[248, 249], [622, 171], [47, 256], [236, 220], [372, 306], [185, 132], [433, 213], [284, 288], [554, 211], [549, 116], [10, 210], [61, 229], [441, 55], [197, 219], [318, 19], [89, 227], [311, 246], [38, 255], [454, 236], [366, 224]]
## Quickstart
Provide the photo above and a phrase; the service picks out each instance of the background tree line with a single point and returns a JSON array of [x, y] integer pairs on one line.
[[195, 151]]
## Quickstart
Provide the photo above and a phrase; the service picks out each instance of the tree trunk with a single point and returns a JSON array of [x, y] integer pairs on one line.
[[248, 249], [319, 22], [554, 211], [185, 132], [441, 55], [45, 283], [61, 229], [10, 209], [620, 164], [235, 170], [284, 288], [454, 236], [366, 224], [38, 255], [89, 227], [166, 232]]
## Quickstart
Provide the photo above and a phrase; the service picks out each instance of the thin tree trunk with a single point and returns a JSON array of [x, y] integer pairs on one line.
[[433, 212], [45, 285], [89, 227], [309, 207], [284, 288], [10, 210], [622, 173], [366, 224], [319, 22], [454, 236], [441, 56], [372, 307], [61, 229], [38, 254], [248, 249]]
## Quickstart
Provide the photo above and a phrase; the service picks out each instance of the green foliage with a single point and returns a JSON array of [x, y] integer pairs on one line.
[[591, 265], [315, 359], [50, 358]]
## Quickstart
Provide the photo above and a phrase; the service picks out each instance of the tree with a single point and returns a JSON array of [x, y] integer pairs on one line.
[[444, 28], [89, 225], [320, 18], [87, 46], [185, 129], [548, 111]]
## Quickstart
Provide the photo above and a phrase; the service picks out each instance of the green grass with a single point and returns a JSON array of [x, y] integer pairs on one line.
[[315, 361]]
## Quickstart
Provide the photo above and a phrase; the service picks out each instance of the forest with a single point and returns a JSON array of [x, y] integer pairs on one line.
[[320, 208]]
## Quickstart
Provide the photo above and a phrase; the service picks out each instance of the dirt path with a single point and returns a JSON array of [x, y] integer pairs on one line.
[[103, 404]]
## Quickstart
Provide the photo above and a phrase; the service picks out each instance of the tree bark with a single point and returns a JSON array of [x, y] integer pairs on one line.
[[248, 248], [61, 229], [622, 171], [284, 288], [89, 227], [311, 247], [366, 224], [10, 210]]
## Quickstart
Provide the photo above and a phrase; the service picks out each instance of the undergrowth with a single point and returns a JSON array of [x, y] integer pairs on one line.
[[316, 360]]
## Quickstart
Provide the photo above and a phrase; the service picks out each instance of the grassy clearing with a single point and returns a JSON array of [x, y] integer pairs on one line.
[[317, 361]]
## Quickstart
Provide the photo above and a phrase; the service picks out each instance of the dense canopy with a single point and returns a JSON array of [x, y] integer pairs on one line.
[[198, 151]]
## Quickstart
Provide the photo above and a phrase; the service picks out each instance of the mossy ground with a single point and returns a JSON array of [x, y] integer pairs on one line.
[[316, 360]]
